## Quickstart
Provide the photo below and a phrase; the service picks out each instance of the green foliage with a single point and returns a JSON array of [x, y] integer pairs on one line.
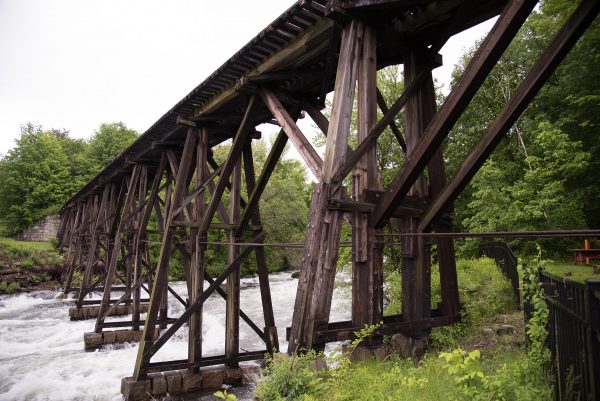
[[107, 143], [283, 211], [47, 166], [9, 288], [521, 379], [28, 254], [293, 377], [484, 293], [224, 395], [457, 375], [533, 293], [542, 175]]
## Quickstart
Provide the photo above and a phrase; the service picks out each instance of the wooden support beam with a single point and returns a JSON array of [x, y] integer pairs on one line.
[[160, 277], [384, 109], [270, 337], [198, 256], [317, 274], [367, 257], [258, 189], [371, 139], [547, 63], [479, 67], [239, 142], [155, 346], [232, 307], [317, 117], [288, 124], [119, 238]]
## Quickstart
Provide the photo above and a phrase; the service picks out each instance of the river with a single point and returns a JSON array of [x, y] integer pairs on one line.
[[42, 356]]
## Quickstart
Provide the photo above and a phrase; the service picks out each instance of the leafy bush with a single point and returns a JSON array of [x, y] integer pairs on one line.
[[9, 288], [292, 378]]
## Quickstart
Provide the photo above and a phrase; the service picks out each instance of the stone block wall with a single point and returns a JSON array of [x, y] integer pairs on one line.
[[43, 230]]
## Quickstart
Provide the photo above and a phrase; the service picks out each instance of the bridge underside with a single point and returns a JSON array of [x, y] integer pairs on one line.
[[165, 193]]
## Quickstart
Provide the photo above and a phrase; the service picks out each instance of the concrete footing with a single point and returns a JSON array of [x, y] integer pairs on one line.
[[92, 312], [182, 382], [410, 347], [94, 341], [379, 352]]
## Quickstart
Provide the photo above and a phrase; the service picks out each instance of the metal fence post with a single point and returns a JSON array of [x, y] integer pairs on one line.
[[593, 310]]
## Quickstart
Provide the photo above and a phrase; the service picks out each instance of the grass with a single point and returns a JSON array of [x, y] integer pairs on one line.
[[572, 271], [28, 254], [26, 246]]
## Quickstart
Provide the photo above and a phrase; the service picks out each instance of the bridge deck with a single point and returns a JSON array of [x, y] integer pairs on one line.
[[297, 54]]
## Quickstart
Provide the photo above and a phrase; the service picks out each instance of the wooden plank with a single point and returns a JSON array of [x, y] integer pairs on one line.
[[547, 63], [288, 124], [310, 39], [198, 266], [416, 264], [386, 329], [479, 67], [367, 259], [140, 247]]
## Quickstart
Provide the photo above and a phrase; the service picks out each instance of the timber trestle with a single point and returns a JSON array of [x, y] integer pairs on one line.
[[167, 195]]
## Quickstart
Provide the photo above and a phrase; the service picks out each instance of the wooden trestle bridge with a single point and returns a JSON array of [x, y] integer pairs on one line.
[[168, 185]]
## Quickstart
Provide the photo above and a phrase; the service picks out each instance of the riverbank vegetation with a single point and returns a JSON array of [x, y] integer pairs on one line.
[[25, 265], [480, 358]]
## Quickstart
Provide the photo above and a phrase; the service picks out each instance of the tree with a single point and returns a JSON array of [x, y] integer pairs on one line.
[[34, 178], [46, 167], [108, 142], [543, 175]]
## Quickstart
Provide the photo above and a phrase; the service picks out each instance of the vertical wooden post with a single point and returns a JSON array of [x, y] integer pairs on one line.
[[232, 322], [367, 258], [317, 274], [416, 264], [141, 248], [197, 266], [119, 238], [261, 260], [73, 240], [161, 275]]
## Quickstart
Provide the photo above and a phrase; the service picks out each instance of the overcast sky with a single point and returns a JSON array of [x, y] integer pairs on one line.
[[74, 64]]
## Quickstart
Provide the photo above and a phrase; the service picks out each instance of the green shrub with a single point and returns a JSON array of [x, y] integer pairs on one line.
[[9, 288], [292, 378]]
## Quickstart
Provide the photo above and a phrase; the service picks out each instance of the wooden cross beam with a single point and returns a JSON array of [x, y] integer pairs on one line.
[[486, 57], [547, 63], [288, 124]]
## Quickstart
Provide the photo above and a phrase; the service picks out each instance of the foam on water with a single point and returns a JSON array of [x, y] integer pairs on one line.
[[42, 356]]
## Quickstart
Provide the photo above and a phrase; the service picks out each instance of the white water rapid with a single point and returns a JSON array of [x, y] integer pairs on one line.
[[42, 356]]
